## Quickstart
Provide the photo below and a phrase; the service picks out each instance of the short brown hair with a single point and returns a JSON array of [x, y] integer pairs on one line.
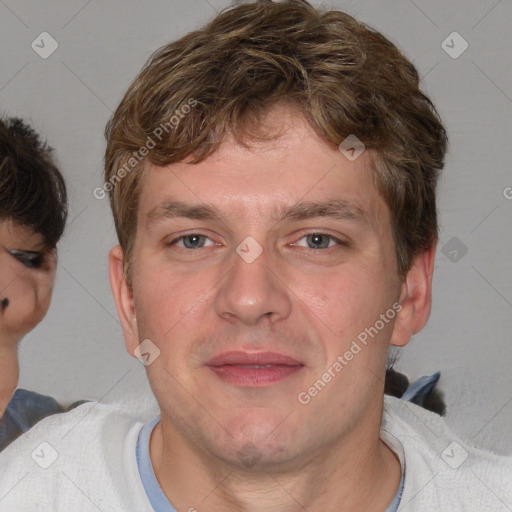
[[345, 77], [32, 189]]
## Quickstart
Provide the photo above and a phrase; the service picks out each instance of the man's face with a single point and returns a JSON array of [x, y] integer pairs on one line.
[[243, 336]]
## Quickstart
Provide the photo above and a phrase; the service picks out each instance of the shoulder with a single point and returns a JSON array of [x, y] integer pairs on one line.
[[86, 425], [24, 410], [90, 450], [442, 470], [25, 402]]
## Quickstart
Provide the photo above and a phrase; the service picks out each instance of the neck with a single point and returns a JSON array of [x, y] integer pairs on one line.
[[9, 374], [362, 474]]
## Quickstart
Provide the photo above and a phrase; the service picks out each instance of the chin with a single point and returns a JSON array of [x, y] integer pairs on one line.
[[257, 455], [255, 439]]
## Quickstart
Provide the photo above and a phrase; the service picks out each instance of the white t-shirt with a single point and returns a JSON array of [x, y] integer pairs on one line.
[[85, 460]]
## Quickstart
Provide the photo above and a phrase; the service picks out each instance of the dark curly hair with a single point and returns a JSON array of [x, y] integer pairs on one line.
[[32, 189]]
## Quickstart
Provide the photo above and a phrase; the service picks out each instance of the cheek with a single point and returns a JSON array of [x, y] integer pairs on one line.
[[346, 308], [165, 301], [345, 300]]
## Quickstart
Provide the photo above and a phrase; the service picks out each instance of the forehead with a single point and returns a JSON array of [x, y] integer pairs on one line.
[[14, 235], [295, 167]]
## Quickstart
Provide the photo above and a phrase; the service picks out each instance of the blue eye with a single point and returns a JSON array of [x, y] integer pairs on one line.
[[313, 241], [192, 241], [320, 241]]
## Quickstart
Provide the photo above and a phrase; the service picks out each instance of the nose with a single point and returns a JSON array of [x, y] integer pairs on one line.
[[253, 291]]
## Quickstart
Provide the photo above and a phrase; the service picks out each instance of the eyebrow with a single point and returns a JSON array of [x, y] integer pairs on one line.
[[334, 208]]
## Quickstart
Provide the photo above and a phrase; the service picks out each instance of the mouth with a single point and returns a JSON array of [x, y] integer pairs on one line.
[[257, 369]]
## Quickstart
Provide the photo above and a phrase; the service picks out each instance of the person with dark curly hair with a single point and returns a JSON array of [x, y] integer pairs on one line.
[[33, 210]]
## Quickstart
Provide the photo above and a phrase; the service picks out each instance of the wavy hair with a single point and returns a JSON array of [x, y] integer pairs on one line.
[[345, 78]]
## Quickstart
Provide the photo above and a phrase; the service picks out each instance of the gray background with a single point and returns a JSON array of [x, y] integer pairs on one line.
[[78, 350]]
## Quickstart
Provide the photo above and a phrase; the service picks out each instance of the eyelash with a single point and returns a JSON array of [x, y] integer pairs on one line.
[[318, 233], [31, 259]]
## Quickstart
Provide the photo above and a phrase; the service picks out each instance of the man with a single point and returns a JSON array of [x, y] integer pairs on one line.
[[272, 179], [33, 210]]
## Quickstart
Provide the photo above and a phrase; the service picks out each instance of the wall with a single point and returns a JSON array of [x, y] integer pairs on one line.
[[78, 350]]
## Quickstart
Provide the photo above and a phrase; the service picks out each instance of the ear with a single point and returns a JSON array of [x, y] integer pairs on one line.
[[415, 298], [123, 295]]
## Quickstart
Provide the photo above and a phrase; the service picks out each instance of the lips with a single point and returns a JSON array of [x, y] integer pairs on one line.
[[255, 369], [252, 359]]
